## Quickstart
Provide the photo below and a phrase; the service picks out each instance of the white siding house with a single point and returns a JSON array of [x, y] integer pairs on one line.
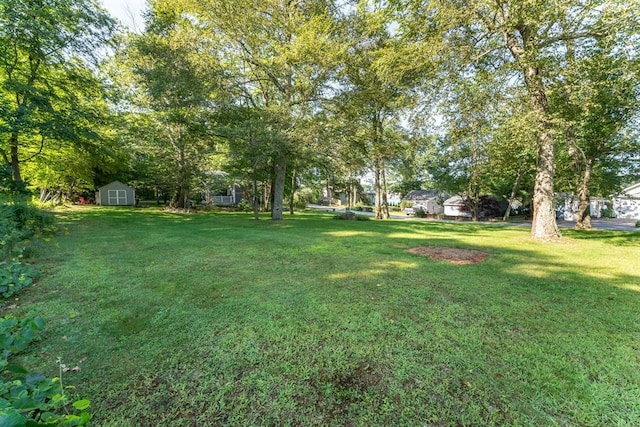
[[453, 207], [429, 200], [627, 204], [571, 207]]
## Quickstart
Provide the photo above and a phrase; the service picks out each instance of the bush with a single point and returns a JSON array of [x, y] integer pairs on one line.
[[19, 222], [420, 213], [360, 207], [637, 224], [30, 398], [607, 212], [14, 276], [304, 197], [245, 206], [351, 216], [406, 204]]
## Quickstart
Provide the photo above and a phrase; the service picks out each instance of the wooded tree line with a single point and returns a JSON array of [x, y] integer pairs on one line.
[[522, 99]]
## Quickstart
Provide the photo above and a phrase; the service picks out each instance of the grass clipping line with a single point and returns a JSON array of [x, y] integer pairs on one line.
[[451, 255]]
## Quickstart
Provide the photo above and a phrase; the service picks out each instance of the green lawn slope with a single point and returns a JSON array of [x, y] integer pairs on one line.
[[216, 319]]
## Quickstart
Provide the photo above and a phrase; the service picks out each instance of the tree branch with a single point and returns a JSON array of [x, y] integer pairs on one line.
[[36, 154], [571, 36]]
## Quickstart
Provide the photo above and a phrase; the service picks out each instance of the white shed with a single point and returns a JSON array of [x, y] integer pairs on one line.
[[116, 194], [454, 206]]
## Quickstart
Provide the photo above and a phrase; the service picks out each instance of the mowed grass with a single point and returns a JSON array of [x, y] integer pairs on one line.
[[216, 319]]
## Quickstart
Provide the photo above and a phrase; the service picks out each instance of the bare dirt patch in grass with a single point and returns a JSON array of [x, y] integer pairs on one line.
[[451, 255]]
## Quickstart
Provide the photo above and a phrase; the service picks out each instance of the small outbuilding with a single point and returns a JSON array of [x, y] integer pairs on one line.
[[430, 201], [116, 194], [455, 206]]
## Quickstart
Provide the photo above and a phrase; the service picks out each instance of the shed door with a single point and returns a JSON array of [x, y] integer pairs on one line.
[[117, 197]]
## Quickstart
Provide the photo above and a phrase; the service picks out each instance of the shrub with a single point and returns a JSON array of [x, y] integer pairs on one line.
[[245, 206], [360, 207], [14, 276], [345, 215], [607, 212], [304, 197], [30, 398], [406, 204], [420, 213], [19, 222], [351, 216], [637, 224]]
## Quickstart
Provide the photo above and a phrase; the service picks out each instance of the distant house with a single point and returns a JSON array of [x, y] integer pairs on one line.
[[116, 194], [228, 197], [430, 201], [570, 207], [627, 204], [454, 206]]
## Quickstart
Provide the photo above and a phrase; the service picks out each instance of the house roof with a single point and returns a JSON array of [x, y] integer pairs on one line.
[[633, 191], [454, 201], [419, 195]]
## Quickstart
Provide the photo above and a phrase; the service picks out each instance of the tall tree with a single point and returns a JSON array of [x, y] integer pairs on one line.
[[46, 51], [525, 38], [595, 102], [176, 90], [280, 54], [374, 100]]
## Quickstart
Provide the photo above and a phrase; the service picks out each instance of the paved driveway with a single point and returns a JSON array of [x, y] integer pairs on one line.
[[614, 224]]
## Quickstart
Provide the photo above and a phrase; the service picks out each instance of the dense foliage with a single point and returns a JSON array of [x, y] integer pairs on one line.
[[472, 98], [27, 398]]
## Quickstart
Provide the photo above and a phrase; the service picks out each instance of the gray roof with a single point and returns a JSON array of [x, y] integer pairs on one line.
[[454, 201], [422, 195]]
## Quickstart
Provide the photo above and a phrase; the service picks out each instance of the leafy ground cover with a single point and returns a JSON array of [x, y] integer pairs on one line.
[[215, 319]]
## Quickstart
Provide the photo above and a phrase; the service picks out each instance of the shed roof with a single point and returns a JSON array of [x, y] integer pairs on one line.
[[115, 184], [454, 201]]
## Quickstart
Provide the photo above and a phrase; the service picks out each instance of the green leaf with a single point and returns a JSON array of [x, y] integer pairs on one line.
[[81, 405], [16, 369], [38, 322], [34, 378], [12, 419]]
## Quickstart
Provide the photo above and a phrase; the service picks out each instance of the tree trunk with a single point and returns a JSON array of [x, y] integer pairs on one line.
[[256, 200], [354, 193], [293, 189], [15, 160], [278, 187], [376, 188], [475, 205], [512, 197], [179, 198], [383, 190], [544, 225], [583, 216]]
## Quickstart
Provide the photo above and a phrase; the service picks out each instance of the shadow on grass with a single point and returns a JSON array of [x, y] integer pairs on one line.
[[216, 319], [616, 238]]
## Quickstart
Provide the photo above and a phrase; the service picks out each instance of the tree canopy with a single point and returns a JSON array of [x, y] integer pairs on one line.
[[511, 98]]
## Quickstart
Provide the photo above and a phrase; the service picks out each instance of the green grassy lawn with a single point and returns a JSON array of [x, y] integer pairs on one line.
[[215, 319]]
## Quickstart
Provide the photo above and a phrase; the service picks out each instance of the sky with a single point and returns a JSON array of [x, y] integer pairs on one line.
[[129, 12]]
